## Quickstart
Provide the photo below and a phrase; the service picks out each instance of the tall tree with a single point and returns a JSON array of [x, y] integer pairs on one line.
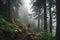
[[45, 16], [10, 9], [42, 4], [38, 5], [39, 21], [11, 4], [58, 20], [50, 4], [6, 10]]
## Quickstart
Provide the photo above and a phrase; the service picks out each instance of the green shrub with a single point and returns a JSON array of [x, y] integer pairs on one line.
[[7, 30], [43, 36], [4, 25]]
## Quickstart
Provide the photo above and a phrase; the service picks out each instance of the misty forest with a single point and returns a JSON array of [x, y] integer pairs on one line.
[[29, 20]]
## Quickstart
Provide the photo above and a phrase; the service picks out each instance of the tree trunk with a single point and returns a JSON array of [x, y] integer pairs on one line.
[[10, 10], [58, 20], [1, 5], [45, 17], [50, 16], [38, 22]]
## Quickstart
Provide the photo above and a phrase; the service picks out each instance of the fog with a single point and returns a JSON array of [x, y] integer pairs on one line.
[[24, 11]]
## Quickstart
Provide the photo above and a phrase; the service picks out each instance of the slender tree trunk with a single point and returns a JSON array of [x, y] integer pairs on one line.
[[58, 20], [38, 22], [50, 16], [45, 17]]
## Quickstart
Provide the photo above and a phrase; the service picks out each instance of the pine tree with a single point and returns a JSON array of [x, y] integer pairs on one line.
[[45, 17], [58, 20]]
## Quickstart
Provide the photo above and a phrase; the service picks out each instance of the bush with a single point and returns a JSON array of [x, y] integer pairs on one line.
[[7, 30], [43, 36], [4, 25]]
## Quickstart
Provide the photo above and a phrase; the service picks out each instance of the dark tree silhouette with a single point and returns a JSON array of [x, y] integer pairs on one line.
[[50, 5], [58, 20], [45, 17]]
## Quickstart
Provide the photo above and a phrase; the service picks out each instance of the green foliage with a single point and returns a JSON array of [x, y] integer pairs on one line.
[[4, 25], [38, 3], [20, 22], [7, 29], [43, 36]]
